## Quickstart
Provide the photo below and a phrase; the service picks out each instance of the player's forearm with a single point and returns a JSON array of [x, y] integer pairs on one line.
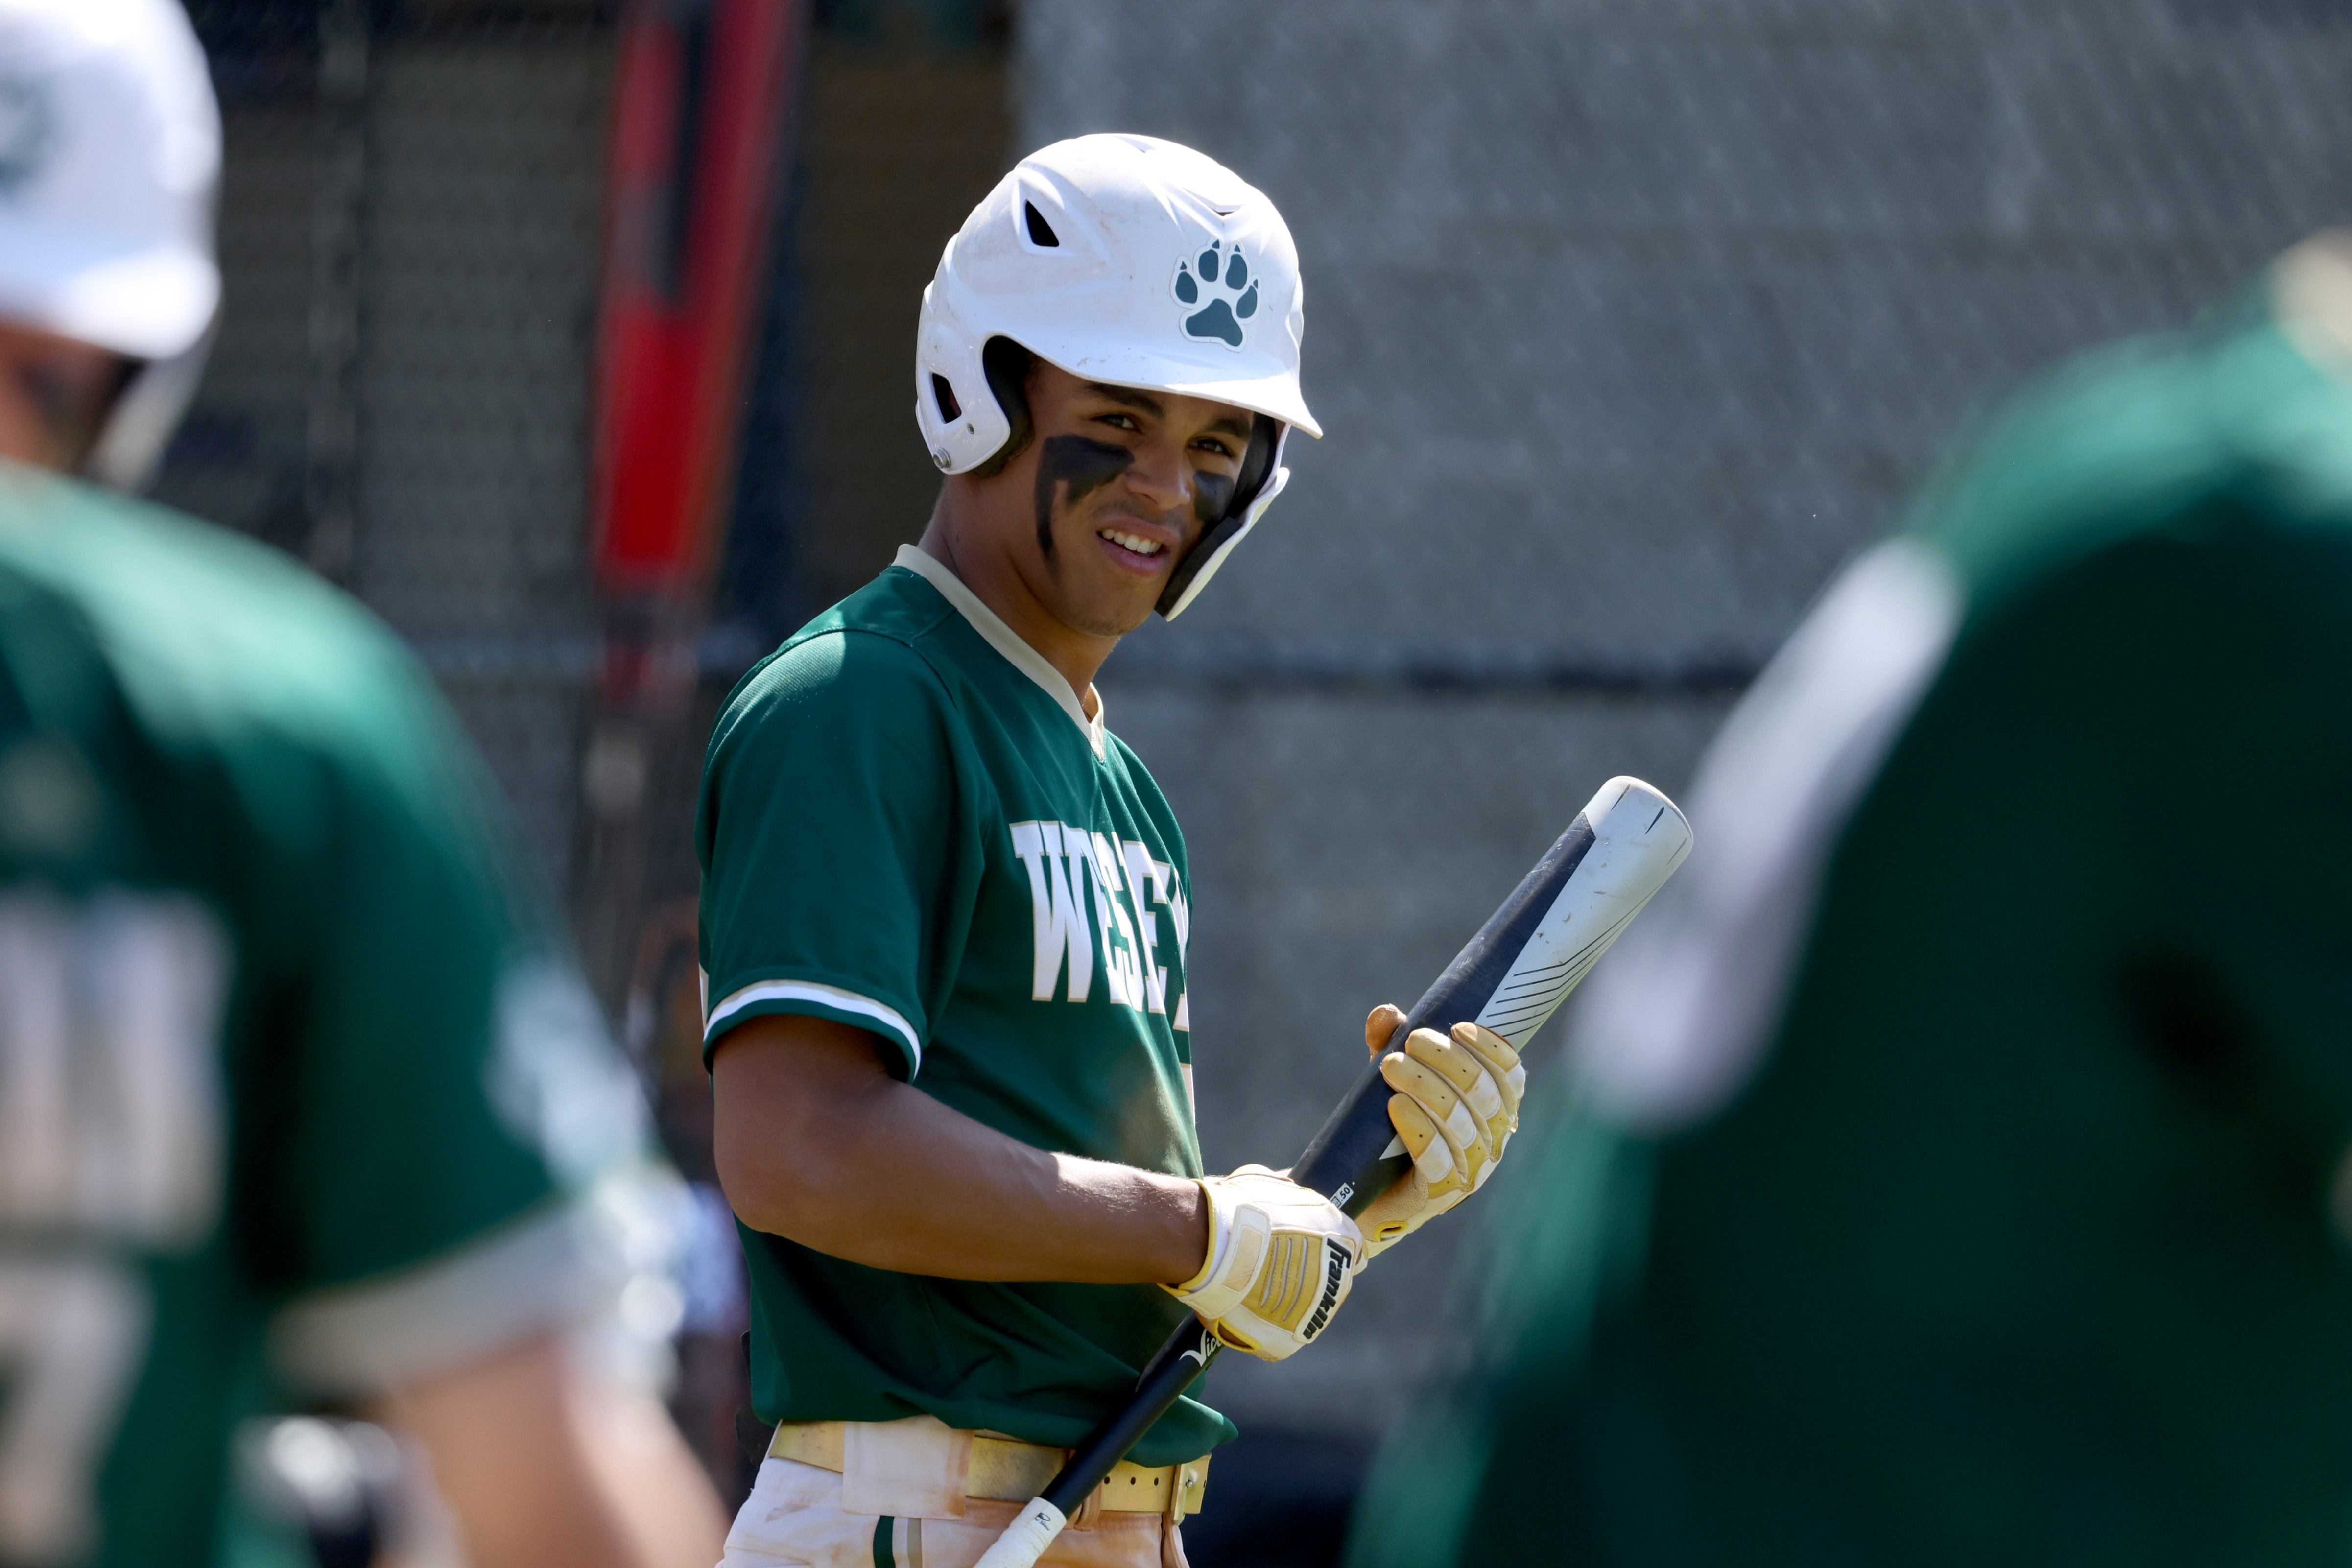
[[814, 1141], [1033, 1215], [537, 1466]]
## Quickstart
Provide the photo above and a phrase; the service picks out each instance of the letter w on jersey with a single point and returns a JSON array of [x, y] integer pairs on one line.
[[1072, 870]]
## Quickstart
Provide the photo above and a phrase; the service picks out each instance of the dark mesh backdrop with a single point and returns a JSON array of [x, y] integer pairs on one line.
[[409, 229]]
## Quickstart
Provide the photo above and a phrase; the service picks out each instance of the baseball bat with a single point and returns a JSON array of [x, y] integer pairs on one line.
[[1531, 953]]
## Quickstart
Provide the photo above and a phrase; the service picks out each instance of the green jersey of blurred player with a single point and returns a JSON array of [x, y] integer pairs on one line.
[[1963, 1172], [296, 1088]]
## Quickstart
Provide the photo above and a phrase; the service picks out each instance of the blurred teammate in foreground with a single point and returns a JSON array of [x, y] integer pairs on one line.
[[945, 912], [1960, 1169], [290, 1070]]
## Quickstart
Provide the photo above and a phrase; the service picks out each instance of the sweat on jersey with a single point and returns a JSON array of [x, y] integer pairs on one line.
[[1949, 1171], [910, 825], [291, 1079]]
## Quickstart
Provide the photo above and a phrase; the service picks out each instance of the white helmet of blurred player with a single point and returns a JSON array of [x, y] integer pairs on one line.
[[1129, 260], [109, 155]]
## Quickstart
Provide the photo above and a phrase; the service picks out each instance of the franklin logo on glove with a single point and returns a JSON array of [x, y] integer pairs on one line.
[[1281, 1259]]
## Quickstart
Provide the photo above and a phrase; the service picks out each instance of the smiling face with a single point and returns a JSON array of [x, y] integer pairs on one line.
[[1120, 484]]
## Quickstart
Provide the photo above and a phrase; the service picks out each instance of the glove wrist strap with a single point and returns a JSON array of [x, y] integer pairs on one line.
[[1220, 1241]]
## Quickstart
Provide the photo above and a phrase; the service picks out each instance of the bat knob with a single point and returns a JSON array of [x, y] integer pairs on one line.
[[1026, 1538]]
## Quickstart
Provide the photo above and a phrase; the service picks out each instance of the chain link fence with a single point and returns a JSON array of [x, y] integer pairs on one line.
[[1629, 320], [410, 224]]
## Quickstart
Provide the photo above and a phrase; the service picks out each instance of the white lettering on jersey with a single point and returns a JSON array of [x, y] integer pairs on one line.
[[1059, 916], [111, 1129], [72, 1333], [111, 1115], [1121, 967], [1147, 880], [1180, 915], [1069, 866]]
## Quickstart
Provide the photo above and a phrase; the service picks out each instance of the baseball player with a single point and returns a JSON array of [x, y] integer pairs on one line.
[[297, 1091], [945, 912], [1961, 1170]]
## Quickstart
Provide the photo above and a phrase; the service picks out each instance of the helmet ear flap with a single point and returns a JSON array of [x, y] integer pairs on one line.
[[145, 412], [1006, 365], [1265, 433], [1208, 552]]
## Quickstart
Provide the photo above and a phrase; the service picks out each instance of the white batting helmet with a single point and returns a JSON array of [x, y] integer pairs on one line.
[[109, 154], [1129, 260]]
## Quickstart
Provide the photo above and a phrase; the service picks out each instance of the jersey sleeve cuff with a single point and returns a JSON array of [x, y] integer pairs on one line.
[[550, 1271], [815, 999]]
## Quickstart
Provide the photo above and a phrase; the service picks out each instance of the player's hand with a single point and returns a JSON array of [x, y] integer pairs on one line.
[[1281, 1259], [1456, 1105]]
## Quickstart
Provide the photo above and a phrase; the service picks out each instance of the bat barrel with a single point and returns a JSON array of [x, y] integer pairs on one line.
[[1350, 1160]]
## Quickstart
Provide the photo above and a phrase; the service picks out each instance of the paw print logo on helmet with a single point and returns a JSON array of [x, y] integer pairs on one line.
[[1231, 294]]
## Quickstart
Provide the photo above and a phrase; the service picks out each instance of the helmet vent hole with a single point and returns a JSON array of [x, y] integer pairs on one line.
[[1041, 233], [944, 396]]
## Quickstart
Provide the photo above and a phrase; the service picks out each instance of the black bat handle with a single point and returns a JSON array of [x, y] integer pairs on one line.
[[1172, 1370], [1347, 1161]]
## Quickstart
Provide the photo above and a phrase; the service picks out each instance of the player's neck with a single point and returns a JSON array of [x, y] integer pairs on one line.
[[989, 571]]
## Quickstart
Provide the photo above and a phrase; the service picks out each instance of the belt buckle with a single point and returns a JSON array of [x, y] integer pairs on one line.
[[1192, 1481]]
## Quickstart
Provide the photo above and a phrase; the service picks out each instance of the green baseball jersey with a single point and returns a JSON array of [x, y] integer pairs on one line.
[[1956, 1173], [292, 1083], [908, 823]]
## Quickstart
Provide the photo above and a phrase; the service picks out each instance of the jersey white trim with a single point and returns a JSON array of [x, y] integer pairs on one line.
[[1679, 1020], [1006, 641], [552, 1270], [814, 991]]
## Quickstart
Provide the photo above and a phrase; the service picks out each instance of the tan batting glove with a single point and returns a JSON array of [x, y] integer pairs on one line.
[[1456, 1105], [1281, 1259]]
